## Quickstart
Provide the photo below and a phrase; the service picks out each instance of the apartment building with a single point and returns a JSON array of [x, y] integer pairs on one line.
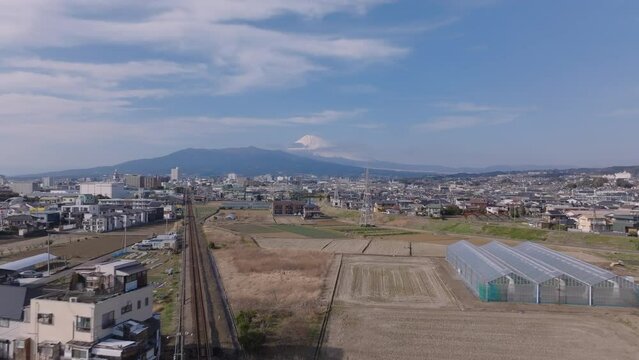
[[105, 313]]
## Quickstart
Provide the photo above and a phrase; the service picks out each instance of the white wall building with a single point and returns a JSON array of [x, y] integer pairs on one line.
[[108, 189], [175, 174], [106, 316]]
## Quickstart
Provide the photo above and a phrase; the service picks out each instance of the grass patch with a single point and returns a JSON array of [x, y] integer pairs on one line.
[[252, 229], [516, 233], [308, 231], [371, 231], [204, 211]]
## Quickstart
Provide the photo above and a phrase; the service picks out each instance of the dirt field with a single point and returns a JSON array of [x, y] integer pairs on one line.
[[399, 281], [427, 249], [296, 244], [378, 333], [346, 246], [409, 308], [388, 247]]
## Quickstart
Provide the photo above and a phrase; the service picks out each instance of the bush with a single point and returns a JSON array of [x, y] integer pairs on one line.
[[250, 333]]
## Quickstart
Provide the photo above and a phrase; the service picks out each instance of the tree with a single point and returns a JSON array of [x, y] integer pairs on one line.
[[451, 210], [623, 183]]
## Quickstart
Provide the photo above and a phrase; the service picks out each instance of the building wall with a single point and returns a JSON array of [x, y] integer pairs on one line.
[[116, 304], [24, 188], [111, 190], [64, 316]]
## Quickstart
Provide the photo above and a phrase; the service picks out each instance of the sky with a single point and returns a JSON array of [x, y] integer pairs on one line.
[[441, 82]]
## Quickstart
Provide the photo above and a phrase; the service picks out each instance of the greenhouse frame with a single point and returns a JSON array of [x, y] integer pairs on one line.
[[532, 273], [487, 277]]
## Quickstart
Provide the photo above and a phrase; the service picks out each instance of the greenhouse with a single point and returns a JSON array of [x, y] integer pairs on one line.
[[486, 276], [551, 285], [532, 273], [604, 288]]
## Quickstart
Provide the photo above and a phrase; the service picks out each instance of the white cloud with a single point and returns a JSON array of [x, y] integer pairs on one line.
[[467, 114], [244, 55]]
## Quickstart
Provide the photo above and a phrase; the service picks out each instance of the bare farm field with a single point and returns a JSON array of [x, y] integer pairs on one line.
[[411, 308], [428, 249], [388, 247], [295, 244], [346, 246], [401, 281]]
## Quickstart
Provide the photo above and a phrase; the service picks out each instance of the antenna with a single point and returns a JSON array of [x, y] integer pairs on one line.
[[366, 212]]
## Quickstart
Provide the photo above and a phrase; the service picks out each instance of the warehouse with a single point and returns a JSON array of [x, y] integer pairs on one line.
[[532, 273]]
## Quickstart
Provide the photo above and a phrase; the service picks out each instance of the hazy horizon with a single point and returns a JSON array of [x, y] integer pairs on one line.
[[454, 83]]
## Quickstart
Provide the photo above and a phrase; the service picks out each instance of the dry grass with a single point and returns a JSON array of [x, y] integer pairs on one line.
[[256, 260]]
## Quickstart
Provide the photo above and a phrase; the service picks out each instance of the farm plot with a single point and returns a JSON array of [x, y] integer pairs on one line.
[[298, 244], [251, 228], [346, 246], [308, 231], [426, 249], [370, 231], [407, 282], [356, 332], [388, 247]]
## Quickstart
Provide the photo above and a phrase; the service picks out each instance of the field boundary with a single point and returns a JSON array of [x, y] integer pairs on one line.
[[327, 314]]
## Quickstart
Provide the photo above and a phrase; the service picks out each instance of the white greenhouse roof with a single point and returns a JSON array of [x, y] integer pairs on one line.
[[26, 263]]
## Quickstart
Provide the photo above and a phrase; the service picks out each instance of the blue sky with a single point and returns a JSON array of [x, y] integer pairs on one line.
[[457, 83]]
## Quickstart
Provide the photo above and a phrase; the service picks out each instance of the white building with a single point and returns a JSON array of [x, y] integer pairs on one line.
[[23, 187], [175, 174], [108, 189], [108, 313]]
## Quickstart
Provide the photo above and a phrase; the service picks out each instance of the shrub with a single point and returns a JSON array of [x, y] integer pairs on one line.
[[250, 333]]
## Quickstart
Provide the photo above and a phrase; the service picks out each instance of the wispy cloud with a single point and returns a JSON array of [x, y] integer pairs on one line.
[[625, 112], [458, 122], [467, 114]]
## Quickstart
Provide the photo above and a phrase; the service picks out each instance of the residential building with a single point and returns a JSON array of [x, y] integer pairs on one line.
[[625, 224], [108, 189], [175, 174], [106, 313], [134, 181], [24, 187]]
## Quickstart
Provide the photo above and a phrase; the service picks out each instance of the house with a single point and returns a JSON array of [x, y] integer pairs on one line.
[[592, 223], [385, 206], [625, 224], [311, 211], [287, 207], [105, 313]]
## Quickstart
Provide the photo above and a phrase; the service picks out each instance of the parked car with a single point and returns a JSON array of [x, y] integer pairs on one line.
[[30, 274]]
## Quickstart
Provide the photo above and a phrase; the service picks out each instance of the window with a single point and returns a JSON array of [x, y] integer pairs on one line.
[[139, 304], [108, 319], [79, 354], [127, 308], [46, 319], [146, 301], [82, 324], [4, 322]]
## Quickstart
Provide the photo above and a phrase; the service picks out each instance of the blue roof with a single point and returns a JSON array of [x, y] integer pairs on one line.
[[26, 263]]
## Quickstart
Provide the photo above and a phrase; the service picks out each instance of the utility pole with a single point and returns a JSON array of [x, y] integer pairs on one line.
[[124, 240], [48, 254]]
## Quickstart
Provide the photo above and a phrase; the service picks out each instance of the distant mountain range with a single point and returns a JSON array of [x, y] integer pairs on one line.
[[247, 161], [252, 161]]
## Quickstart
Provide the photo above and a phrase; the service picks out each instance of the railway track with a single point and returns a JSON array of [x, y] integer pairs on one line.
[[210, 333]]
